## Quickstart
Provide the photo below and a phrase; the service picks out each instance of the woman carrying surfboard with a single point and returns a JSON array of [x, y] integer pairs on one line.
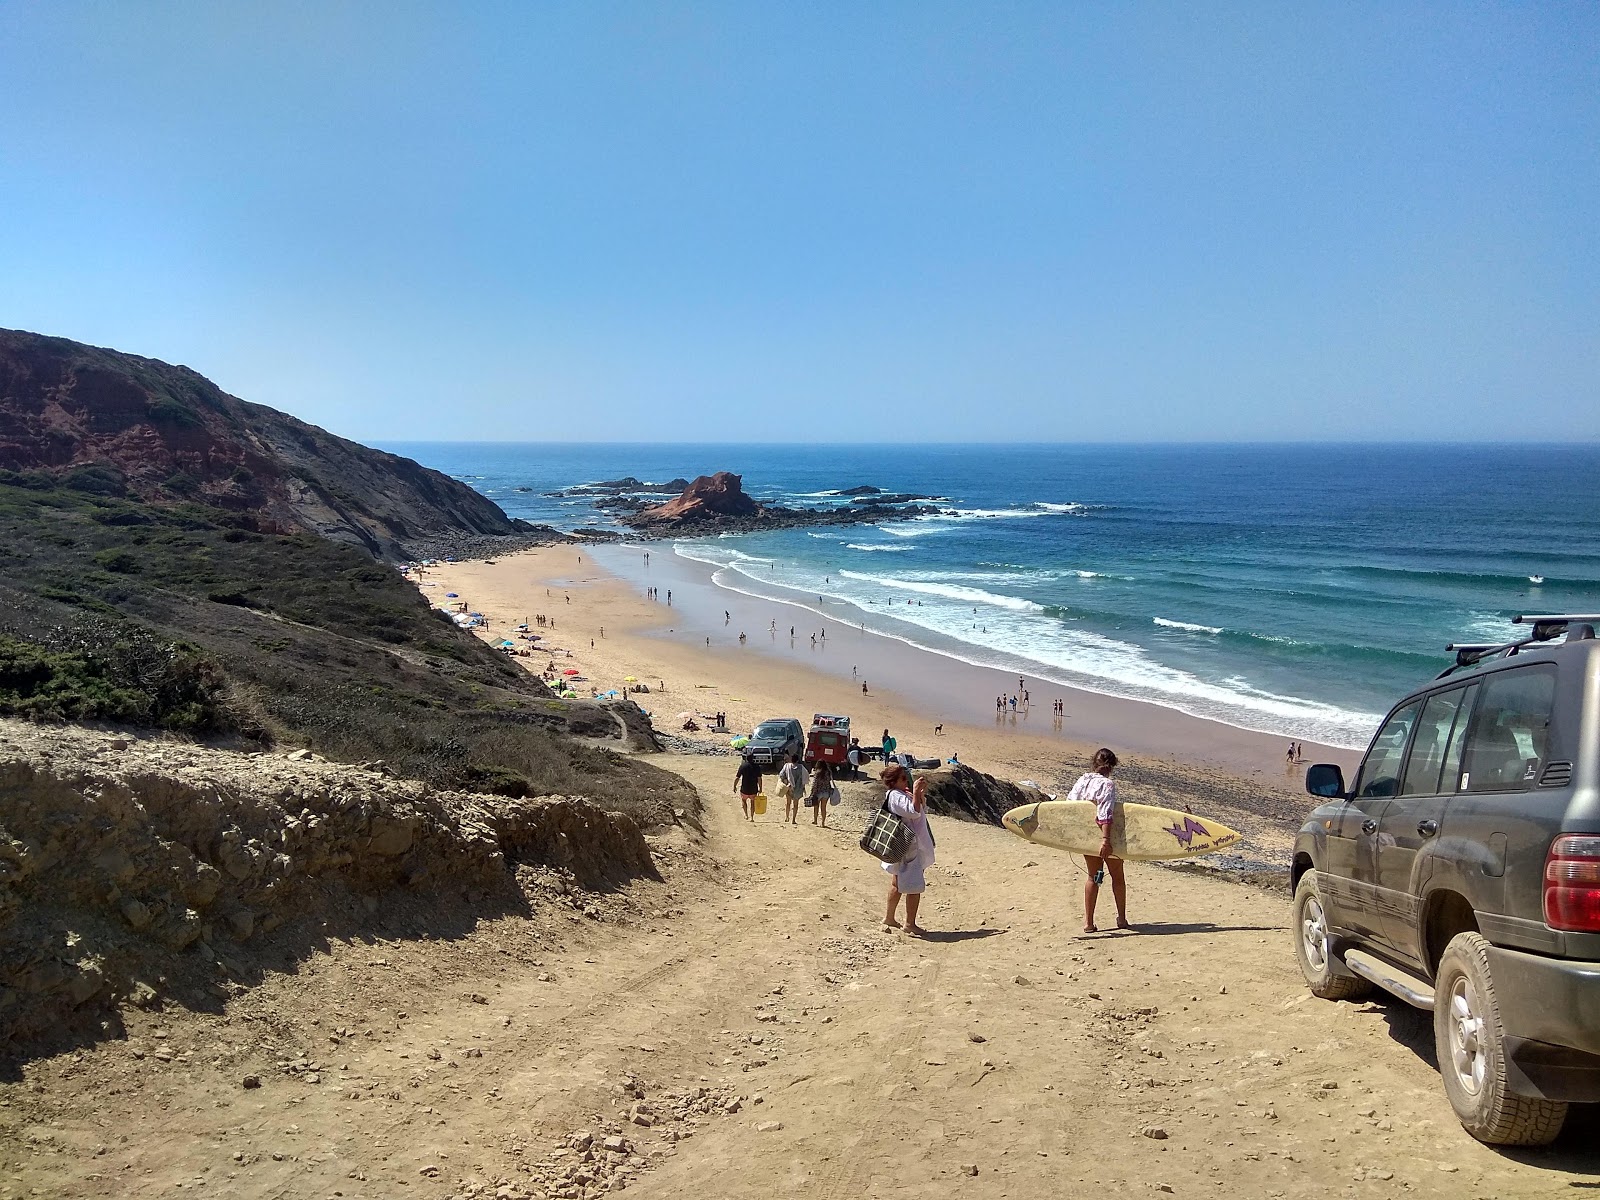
[[1099, 789]]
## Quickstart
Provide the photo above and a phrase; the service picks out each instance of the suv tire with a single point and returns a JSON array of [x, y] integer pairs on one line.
[[1470, 1043], [1325, 975]]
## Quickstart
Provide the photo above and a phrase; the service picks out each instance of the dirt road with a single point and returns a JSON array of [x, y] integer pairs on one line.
[[747, 1029]]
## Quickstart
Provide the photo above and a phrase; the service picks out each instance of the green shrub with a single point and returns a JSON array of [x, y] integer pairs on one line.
[[164, 410], [121, 562]]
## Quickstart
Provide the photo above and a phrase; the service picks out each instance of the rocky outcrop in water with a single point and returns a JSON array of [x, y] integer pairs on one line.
[[719, 504]]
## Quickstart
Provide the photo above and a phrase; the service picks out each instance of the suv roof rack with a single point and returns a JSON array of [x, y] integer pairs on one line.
[[1553, 625], [1546, 628]]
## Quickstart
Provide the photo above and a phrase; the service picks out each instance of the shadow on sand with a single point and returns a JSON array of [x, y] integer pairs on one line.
[[1576, 1151], [1160, 928], [959, 935]]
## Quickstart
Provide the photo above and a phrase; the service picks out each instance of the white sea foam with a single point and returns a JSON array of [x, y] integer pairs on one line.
[[1014, 634], [1190, 626], [1495, 627], [916, 527], [967, 595], [983, 514], [880, 546], [1073, 507]]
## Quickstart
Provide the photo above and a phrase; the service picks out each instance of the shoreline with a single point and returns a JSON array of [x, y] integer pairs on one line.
[[936, 684], [605, 628]]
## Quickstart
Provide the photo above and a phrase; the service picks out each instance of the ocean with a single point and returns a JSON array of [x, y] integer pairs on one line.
[[1290, 589]]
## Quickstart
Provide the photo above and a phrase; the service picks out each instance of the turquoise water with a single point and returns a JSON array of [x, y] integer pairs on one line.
[[1295, 590]]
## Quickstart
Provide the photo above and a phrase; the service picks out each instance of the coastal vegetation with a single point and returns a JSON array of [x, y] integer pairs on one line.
[[173, 558]]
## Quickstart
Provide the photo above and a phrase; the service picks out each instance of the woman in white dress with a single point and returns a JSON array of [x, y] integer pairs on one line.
[[1097, 787], [906, 878]]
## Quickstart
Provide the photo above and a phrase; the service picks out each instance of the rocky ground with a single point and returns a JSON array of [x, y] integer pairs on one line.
[[743, 1026], [137, 870]]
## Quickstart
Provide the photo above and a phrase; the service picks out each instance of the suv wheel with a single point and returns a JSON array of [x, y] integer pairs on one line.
[[1325, 975], [1472, 1055]]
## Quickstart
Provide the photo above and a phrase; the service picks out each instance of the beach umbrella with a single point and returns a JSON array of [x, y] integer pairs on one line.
[[739, 743], [570, 671], [452, 595], [630, 679]]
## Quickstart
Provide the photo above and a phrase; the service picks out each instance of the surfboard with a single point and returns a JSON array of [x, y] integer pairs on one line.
[[1141, 831]]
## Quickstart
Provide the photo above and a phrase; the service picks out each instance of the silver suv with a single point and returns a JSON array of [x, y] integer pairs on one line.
[[1461, 872]]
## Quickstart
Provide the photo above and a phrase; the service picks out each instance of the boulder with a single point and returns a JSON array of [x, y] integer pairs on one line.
[[707, 498]]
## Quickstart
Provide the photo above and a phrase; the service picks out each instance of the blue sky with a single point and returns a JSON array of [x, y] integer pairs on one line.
[[925, 221]]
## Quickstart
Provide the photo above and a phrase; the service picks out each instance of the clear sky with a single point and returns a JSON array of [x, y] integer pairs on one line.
[[924, 220]]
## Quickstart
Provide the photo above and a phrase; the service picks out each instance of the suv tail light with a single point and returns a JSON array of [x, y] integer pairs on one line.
[[1572, 883]]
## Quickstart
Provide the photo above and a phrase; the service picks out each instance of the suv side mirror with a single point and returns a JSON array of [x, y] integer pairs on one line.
[[1326, 780]]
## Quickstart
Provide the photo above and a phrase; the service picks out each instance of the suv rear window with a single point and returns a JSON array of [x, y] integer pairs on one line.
[[1511, 733]]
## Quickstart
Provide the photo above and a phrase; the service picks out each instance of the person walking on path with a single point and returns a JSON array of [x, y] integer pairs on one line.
[[821, 793], [793, 779], [1098, 788], [908, 877], [747, 782]]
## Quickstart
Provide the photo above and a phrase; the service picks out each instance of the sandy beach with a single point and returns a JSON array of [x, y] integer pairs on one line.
[[690, 655]]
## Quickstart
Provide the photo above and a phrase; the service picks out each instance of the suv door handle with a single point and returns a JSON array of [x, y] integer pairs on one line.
[[1369, 826], [1427, 828]]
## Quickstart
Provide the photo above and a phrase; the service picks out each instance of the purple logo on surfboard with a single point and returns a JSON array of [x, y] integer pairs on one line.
[[1185, 833]]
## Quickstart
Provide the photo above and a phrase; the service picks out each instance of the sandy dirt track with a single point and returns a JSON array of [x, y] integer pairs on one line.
[[862, 1063]]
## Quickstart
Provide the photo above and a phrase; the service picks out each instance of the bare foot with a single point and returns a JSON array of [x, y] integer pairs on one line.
[[890, 923], [915, 931], [1091, 929], [1122, 923]]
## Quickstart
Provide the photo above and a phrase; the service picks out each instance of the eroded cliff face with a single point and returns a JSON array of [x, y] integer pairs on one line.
[[101, 420], [139, 870]]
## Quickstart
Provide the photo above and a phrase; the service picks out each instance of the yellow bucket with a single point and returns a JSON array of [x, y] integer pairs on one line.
[[759, 804]]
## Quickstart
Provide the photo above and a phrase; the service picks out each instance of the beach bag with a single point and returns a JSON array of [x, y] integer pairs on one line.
[[888, 836], [811, 801], [758, 804], [833, 795]]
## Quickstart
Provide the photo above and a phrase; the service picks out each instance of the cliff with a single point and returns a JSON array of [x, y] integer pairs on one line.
[[174, 558], [111, 423]]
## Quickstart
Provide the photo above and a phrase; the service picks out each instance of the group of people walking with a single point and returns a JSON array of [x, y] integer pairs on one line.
[[908, 801], [798, 787]]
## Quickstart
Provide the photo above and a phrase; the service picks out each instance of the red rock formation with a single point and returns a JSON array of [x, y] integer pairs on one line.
[[708, 498]]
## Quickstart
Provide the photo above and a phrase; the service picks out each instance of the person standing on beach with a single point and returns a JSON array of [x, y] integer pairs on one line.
[[906, 877], [821, 793], [888, 745], [747, 782], [1097, 788], [793, 780]]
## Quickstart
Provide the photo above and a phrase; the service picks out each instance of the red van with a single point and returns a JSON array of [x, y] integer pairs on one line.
[[828, 740]]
